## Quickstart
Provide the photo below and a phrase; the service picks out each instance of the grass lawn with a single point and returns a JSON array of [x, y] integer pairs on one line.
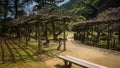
[[28, 64], [14, 54]]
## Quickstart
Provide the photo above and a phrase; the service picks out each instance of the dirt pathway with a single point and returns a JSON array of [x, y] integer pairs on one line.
[[100, 56]]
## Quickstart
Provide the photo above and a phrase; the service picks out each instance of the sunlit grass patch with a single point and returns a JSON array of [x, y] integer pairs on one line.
[[30, 64], [33, 43]]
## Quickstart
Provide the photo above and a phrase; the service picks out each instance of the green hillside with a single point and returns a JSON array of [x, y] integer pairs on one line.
[[89, 8]]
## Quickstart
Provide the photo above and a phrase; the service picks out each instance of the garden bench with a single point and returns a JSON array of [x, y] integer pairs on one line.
[[68, 60]]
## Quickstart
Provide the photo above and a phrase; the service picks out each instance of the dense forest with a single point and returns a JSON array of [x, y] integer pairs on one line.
[[86, 8], [89, 8]]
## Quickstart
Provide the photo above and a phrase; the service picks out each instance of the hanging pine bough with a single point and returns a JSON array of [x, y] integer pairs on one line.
[[103, 31], [33, 18]]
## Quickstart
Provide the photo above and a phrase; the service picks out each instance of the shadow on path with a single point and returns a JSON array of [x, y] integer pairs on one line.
[[29, 55]]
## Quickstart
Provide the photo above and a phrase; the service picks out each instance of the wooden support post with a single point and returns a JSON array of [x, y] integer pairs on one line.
[[26, 35], [29, 37], [119, 35], [108, 40], [46, 33], [39, 36], [64, 35], [74, 36], [92, 40], [87, 37], [93, 35], [36, 31], [65, 64], [70, 65], [114, 43], [19, 36], [84, 36], [77, 36]]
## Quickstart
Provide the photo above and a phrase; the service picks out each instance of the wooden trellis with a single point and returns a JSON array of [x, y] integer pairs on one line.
[[109, 17], [37, 20]]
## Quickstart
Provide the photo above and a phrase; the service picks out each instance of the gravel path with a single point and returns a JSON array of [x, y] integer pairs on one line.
[[100, 56]]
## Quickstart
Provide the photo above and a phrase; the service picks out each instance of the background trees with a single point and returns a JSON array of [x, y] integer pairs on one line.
[[89, 8]]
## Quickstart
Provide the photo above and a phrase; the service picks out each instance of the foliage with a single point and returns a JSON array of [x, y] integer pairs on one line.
[[80, 7], [89, 8]]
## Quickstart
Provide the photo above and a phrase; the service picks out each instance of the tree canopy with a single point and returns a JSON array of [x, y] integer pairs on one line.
[[89, 8]]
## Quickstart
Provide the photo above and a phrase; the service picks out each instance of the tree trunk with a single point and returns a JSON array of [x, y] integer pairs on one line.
[[6, 10], [16, 8], [53, 32]]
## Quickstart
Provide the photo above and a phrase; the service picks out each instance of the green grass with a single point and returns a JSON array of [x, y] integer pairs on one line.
[[29, 64], [30, 57], [33, 43]]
